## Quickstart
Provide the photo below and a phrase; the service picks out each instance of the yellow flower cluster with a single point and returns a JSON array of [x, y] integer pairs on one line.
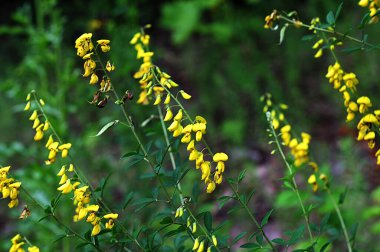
[[315, 176], [373, 7], [369, 122], [86, 51], [81, 199], [299, 148], [18, 243], [199, 245], [154, 81], [9, 187], [37, 124], [68, 184], [271, 20]]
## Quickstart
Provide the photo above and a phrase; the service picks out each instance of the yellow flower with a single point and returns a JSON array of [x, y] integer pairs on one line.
[[364, 103], [351, 81], [214, 240], [363, 3], [66, 187], [210, 187], [185, 95], [158, 100], [318, 54], [97, 228], [89, 66], [110, 67], [196, 244], [33, 249], [65, 149], [94, 79], [27, 106], [201, 246], [104, 45]]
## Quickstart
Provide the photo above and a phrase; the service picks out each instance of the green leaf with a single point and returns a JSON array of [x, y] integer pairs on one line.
[[251, 245], [250, 195], [279, 241], [180, 229], [337, 13], [296, 235], [104, 183], [234, 209], [324, 247], [330, 18], [128, 199], [130, 154], [259, 239], [60, 237], [241, 175], [133, 161], [352, 49], [342, 196], [238, 237], [208, 221], [266, 218], [308, 37], [223, 200], [166, 220], [324, 222], [106, 127], [366, 18], [82, 245], [282, 34]]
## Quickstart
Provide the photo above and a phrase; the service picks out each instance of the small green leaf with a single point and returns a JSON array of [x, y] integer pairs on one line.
[[130, 154], [166, 220], [106, 127], [208, 221], [238, 237], [241, 175], [282, 34], [128, 199], [259, 239], [338, 10], [250, 195], [308, 37], [324, 247], [104, 183], [279, 241], [296, 235], [234, 209], [60, 237], [330, 18], [342, 196], [223, 200], [366, 18], [251, 245], [82, 245], [266, 218]]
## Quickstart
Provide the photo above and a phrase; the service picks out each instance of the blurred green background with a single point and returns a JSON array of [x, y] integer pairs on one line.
[[219, 52]]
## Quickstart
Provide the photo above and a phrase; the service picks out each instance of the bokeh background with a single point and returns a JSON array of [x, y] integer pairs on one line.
[[219, 52]]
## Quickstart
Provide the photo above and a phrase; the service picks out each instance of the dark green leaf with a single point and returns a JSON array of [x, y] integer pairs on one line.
[[296, 235], [106, 127], [180, 229], [366, 18], [338, 10], [234, 209], [324, 222], [251, 245], [183, 174], [266, 218], [82, 245], [60, 237], [223, 200], [352, 49], [133, 161], [238, 237], [330, 18], [342, 196], [130, 154], [250, 195], [324, 247], [279, 241], [104, 183], [208, 221], [354, 231], [128, 199], [166, 220], [41, 219], [241, 175], [259, 239], [143, 201]]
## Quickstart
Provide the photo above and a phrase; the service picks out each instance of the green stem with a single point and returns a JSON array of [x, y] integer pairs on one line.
[[342, 224], [294, 22], [172, 160], [253, 219], [295, 187]]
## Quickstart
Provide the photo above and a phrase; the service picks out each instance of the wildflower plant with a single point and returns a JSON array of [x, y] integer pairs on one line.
[[191, 187]]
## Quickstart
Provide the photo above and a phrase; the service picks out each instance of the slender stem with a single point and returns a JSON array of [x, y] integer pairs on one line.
[[295, 187], [253, 219], [294, 22], [172, 160], [342, 224]]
